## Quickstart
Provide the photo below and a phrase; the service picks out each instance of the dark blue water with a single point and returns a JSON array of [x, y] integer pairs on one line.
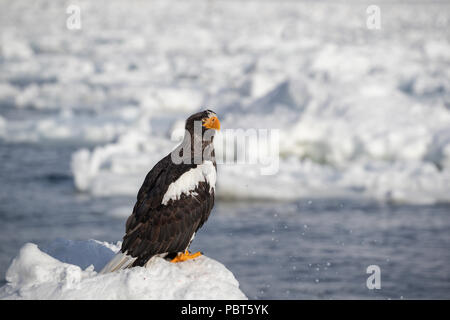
[[306, 249]]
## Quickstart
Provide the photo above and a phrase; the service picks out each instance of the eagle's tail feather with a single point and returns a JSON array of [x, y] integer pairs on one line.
[[119, 262]]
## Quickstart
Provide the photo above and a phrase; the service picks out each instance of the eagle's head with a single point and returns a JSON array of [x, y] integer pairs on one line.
[[197, 144], [207, 119]]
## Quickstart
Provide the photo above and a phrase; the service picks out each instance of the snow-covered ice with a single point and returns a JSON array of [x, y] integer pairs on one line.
[[69, 270], [361, 113]]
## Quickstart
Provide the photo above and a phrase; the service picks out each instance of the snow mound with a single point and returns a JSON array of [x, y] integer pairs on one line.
[[68, 270]]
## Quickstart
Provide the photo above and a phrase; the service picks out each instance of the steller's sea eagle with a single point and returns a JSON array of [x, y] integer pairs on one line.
[[174, 201]]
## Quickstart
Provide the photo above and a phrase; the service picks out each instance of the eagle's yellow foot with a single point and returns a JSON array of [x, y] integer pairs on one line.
[[185, 256]]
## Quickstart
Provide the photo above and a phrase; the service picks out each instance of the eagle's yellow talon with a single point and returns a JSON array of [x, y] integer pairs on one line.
[[185, 256]]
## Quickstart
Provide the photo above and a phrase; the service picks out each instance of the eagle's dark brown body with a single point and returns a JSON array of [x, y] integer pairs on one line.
[[154, 228]]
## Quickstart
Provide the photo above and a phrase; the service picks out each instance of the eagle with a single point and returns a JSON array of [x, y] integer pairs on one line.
[[174, 201]]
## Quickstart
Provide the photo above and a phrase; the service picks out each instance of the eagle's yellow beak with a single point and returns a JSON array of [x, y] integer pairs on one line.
[[212, 123]]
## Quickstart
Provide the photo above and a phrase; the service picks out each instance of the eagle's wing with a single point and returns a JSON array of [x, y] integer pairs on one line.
[[155, 228]]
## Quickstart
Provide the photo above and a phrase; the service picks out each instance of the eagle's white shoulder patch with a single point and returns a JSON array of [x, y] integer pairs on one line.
[[189, 180]]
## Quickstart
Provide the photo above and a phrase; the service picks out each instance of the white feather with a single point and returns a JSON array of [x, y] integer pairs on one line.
[[120, 261], [211, 114], [189, 180]]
